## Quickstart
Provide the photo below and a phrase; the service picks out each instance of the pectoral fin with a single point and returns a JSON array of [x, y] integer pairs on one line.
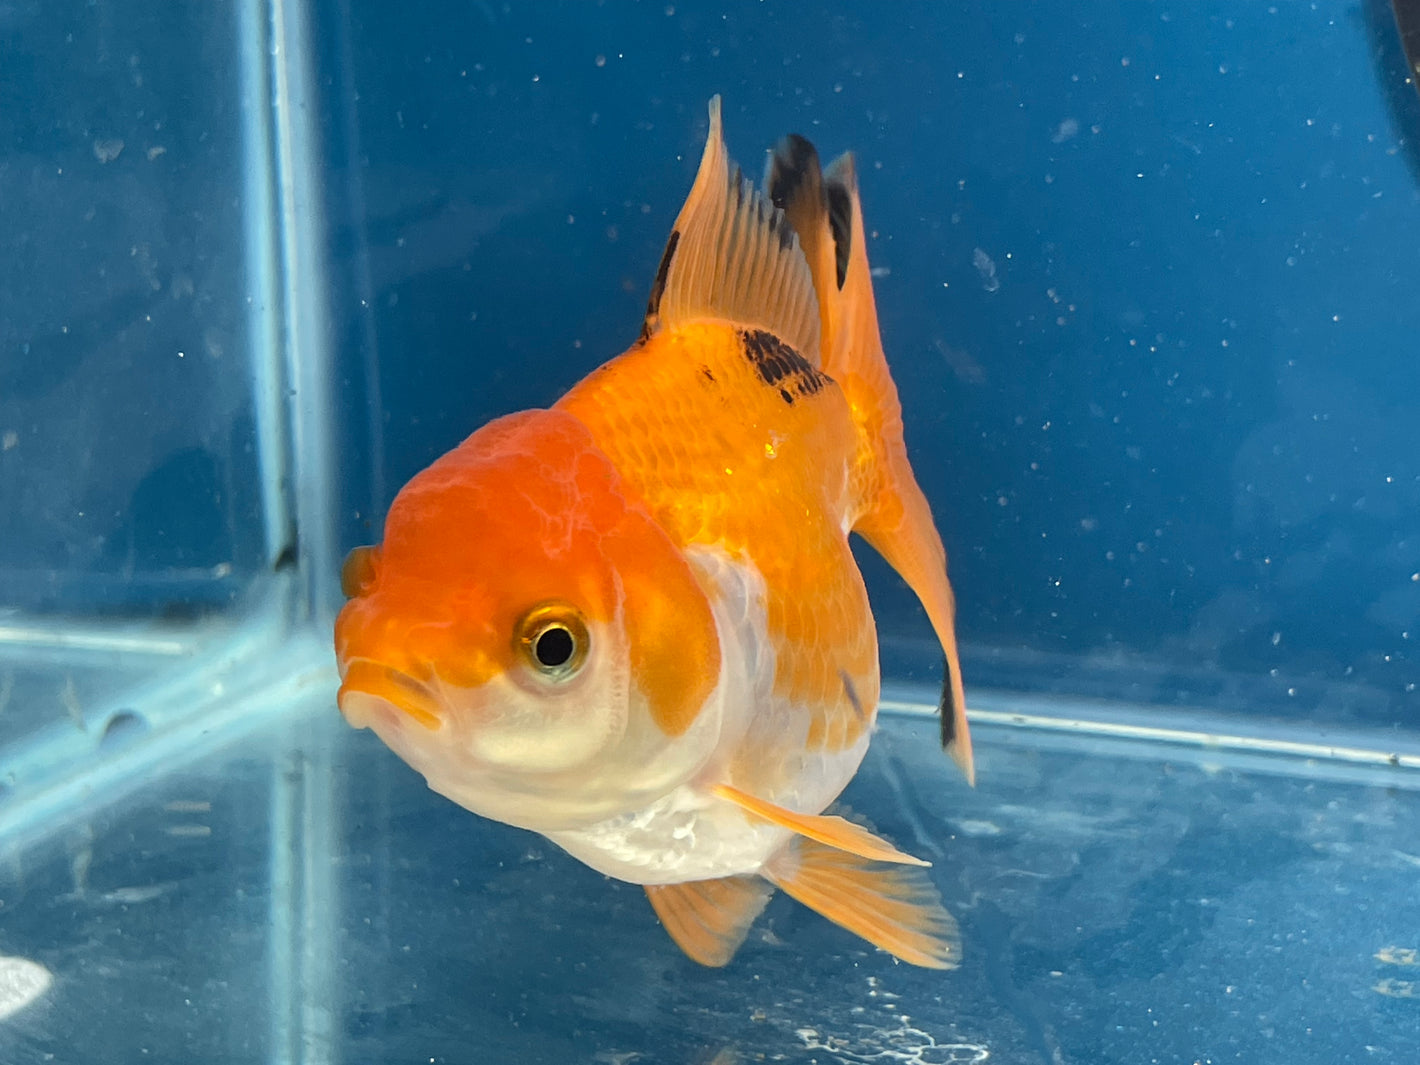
[[709, 919], [832, 831], [891, 907]]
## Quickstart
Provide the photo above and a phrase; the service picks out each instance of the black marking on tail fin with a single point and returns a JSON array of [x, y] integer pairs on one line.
[[840, 182], [795, 161], [947, 709], [1407, 21], [840, 223], [781, 366], [795, 181], [658, 287]]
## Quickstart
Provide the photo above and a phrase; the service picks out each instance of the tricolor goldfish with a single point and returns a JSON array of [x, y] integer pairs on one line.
[[633, 623]]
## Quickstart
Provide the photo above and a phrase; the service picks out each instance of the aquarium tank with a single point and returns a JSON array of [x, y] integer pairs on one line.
[[1148, 277]]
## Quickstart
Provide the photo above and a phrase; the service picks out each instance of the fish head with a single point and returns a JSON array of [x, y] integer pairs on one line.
[[527, 636]]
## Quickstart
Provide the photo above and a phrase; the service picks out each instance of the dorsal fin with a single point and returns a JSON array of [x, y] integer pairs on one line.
[[732, 255]]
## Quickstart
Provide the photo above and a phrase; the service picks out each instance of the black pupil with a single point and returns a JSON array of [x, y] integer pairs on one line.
[[554, 647]]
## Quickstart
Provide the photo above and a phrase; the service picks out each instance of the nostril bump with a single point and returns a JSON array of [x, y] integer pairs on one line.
[[357, 573]]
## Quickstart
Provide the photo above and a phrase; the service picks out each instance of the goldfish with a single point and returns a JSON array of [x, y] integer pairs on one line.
[[633, 623]]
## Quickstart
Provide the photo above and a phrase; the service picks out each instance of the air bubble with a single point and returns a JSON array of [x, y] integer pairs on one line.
[[122, 728]]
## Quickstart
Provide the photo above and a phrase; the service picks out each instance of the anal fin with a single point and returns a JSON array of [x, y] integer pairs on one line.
[[831, 831], [709, 919], [893, 908]]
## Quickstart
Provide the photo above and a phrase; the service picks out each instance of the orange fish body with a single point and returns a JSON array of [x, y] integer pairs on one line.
[[633, 622]]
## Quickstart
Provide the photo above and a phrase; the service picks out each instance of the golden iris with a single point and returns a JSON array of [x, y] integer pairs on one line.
[[553, 640]]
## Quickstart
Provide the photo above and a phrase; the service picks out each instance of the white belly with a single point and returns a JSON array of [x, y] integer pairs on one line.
[[689, 834], [685, 836], [692, 835]]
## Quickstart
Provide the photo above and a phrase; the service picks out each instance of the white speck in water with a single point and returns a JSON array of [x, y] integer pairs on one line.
[[107, 149], [977, 828], [188, 806], [136, 896], [21, 982], [1065, 131], [69, 699], [986, 268], [188, 831]]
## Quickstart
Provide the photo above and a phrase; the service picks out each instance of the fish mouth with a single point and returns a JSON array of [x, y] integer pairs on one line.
[[366, 679]]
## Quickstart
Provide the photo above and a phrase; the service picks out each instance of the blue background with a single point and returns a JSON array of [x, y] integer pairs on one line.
[[1173, 451]]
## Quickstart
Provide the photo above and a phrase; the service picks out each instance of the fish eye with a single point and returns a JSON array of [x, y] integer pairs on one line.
[[554, 647], [553, 641]]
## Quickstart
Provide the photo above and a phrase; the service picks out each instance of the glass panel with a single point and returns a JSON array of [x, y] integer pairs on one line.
[[178, 923], [128, 462]]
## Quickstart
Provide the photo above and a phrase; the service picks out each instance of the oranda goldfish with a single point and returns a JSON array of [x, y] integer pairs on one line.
[[633, 623]]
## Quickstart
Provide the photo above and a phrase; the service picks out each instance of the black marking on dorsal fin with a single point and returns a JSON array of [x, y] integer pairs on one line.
[[658, 287], [946, 710], [737, 259], [839, 183], [780, 366], [778, 225], [766, 210]]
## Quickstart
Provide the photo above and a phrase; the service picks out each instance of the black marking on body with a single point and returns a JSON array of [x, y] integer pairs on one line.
[[781, 366], [948, 706], [658, 287], [705, 370], [852, 692]]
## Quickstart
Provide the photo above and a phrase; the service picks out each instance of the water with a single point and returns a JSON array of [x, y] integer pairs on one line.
[[1146, 277]]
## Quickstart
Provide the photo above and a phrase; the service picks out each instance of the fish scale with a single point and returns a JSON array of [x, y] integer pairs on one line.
[[655, 413]]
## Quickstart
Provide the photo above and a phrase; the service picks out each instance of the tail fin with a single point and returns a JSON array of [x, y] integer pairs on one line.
[[895, 517]]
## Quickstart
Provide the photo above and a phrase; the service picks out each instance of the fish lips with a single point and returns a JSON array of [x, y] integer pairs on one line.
[[372, 692]]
